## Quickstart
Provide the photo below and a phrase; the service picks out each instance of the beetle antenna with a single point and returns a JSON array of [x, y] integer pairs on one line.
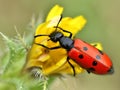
[[58, 23], [40, 35]]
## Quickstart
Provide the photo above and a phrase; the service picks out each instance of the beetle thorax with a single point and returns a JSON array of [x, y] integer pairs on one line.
[[55, 36], [65, 42]]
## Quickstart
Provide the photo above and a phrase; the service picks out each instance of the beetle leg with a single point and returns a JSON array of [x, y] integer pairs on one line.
[[40, 35], [90, 70], [73, 68], [70, 36]]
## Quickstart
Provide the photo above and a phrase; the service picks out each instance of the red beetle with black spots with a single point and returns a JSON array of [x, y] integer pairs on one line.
[[84, 54]]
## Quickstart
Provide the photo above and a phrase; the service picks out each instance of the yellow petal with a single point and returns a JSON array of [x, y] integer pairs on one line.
[[97, 45], [33, 63], [41, 29], [73, 24], [67, 69], [55, 11], [52, 68], [54, 21], [78, 23]]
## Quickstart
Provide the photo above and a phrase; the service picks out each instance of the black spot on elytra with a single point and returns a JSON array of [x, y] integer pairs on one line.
[[81, 56], [94, 63], [98, 57], [85, 48]]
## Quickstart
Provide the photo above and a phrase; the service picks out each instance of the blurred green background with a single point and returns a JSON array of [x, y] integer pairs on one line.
[[103, 24]]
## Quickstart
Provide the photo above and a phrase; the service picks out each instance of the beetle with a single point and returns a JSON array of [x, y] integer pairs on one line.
[[84, 54]]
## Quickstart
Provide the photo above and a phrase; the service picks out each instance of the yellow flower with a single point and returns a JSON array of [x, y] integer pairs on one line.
[[54, 61]]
